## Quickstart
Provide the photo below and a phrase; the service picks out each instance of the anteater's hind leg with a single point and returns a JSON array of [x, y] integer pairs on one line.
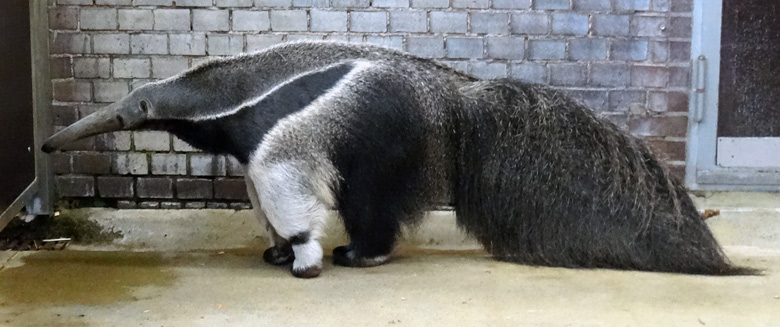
[[374, 203], [372, 230], [288, 196], [280, 250]]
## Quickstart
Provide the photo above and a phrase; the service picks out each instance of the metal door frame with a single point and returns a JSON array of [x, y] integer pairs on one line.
[[38, 196], [702, 172]]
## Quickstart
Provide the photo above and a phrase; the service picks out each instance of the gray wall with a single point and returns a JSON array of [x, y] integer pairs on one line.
[[626, 59]]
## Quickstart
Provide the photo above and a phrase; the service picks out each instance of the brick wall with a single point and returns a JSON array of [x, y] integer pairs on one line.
[[626, 59]]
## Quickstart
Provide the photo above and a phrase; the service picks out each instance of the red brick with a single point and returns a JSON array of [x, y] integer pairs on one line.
[[116, 141], [126, 204], [659, 126], [155, 187], [679, 76], [678, 101], [75, 186], [149, 205], [682, 6], [668, 150], [61, 163], [680, 51], [593, 100], [240, 205], [649, 76], [86, 109], [72, 91], [61, 68], [610, 74], [234, 168], [230, 189], [207, 165], [64, 115], [115, 187], [680, 27], [85, 144], [217, 205], [170, 205], [658, 101], [64, 18], [195, 205], [194, 188], [668, 101], [91, 163], [621, 100]]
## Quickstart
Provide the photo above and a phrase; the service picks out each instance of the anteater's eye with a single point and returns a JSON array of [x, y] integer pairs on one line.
[[144, 106]]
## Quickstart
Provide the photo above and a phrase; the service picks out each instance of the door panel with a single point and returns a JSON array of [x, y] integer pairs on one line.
[[749, 99], [17, 161], [734, 126], [755, 152]]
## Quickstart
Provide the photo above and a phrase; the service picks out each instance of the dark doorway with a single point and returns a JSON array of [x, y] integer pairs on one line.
[[17, 160]]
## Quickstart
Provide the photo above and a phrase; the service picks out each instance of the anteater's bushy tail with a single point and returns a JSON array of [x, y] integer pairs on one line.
[[543, 181]]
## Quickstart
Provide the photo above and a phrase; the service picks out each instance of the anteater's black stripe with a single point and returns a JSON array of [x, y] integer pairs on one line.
[[241, 133]]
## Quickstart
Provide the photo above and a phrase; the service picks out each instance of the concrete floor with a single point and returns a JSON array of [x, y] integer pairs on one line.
[[74, 288], [419, 287]]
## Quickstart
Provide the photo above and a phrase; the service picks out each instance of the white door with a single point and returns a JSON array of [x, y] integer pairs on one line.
[[735, 102]]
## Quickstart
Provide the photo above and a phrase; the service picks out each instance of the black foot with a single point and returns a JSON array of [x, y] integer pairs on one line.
[[340, 254], [308, 272], [348, 257], [278, 256]]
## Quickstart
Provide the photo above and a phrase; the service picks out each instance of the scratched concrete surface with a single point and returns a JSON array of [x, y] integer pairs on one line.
[[421, 286]]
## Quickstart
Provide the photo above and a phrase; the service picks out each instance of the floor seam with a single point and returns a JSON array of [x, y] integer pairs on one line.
[[3, 264]]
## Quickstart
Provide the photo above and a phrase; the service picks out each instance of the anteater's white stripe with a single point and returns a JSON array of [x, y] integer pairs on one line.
[[254, 101]]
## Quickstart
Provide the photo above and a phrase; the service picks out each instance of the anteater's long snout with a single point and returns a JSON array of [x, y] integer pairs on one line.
[[109, 119]]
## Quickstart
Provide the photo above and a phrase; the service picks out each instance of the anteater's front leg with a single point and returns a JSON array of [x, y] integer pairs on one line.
[[294, 211], [280, 250]]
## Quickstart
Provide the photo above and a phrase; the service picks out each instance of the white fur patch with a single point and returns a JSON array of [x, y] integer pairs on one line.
[[253, 198], [287, 194], [258, 210], [322, 177], [307, 255], [294, 179]]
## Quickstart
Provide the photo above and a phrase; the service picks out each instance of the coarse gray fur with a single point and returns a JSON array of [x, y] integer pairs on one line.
[[381, 136]]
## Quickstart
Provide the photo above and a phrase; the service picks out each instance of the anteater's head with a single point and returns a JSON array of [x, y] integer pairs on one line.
[[131, 112]]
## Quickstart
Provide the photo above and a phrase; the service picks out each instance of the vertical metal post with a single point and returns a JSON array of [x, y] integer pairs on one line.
[[43, 202]]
